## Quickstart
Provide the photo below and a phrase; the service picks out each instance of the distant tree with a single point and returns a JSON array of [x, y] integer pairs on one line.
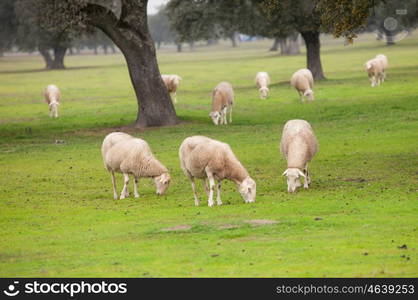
[[33, 34], [8, 25], [159, 26], [125, 23]]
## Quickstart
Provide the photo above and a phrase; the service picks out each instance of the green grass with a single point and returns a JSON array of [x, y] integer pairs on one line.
[[58, 218]]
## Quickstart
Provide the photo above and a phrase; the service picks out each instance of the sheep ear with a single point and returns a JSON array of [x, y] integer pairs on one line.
[[301, 173], [284, 173]]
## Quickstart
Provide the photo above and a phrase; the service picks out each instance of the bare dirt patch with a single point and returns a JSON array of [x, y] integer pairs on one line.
[[177, 228], [260, 222], [228, 226]]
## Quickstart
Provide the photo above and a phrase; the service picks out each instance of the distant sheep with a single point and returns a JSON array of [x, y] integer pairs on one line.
[[125, 154], [172, 83], [52, 98], [222, 101], [385, 63], [375, 70], [205, 158], [298, 145], [302, 81], [262, 81]]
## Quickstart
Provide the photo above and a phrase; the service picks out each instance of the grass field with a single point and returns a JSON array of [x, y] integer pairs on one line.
[[58, 218]]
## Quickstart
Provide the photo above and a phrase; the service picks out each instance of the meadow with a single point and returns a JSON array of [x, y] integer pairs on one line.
[[359, 218]]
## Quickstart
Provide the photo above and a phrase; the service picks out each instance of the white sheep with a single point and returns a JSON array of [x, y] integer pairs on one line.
[[125, 154], [262, 81], [384, 60], [302, 81], [52, 98], [205, 158], [375, 71], [298, 145], [222, 101], [172, 83]]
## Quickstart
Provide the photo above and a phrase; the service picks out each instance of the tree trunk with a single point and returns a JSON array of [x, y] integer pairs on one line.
[[46, 56], [275, 45], [233, 38], [130, 33], [179, 48], [70, 51], [59, 54], [313, 53], [389, 38], [293, 47], [283, 46]]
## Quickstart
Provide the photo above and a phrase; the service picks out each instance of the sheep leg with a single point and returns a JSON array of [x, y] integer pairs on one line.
[[175, 97], [211, 186], [301, 96], [230, 114], [136, 193], [207, 186], [307, 180], [115, 193], [125, 192], [196, 199], [218, 194]]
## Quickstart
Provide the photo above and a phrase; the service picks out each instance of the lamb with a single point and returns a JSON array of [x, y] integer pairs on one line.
[[172, 83], [262, 81], [302, 81], [125, 154], [222, 101], [53, 98], [384, 60], [205, 158], [298, 145], [375, 70]]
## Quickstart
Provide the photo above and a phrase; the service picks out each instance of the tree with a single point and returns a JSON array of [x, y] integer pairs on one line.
[[303, 17], [8, 28], [33, 35], [160, 27], [125, 23]]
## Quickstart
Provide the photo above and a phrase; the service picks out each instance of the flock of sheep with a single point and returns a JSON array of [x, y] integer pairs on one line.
[[209, 159]]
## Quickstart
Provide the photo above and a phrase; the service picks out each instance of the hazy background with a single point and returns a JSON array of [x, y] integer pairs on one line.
[[153, 5]]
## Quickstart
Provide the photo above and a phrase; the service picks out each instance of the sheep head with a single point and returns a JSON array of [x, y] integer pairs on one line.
[[248, 189], [263, 92], [216, 117], [309, 94], [293, 179], [162, 182]]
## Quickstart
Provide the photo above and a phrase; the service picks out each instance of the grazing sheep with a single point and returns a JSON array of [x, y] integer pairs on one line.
[[222, 101], [172, 83], [375, 70], [298, 145], [125, 154], [262, 81], [202, 157], [52, 97], [384, 60], [302, 81]]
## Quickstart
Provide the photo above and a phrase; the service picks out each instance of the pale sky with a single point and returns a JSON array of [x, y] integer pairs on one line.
[[153, 4]]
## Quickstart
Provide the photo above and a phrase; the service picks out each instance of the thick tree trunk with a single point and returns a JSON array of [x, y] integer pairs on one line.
[[313, 53], [283, 46], [275, 45], [59, 54], [130, 33], [46, 56]]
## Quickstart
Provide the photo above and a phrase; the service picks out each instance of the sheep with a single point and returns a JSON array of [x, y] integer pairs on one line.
[[384, 60], [375, 70], [262, 81], [302, 81], [298, 145], [52, 98], [205, 158], [222, 101], [125, 154], [172, 83]]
